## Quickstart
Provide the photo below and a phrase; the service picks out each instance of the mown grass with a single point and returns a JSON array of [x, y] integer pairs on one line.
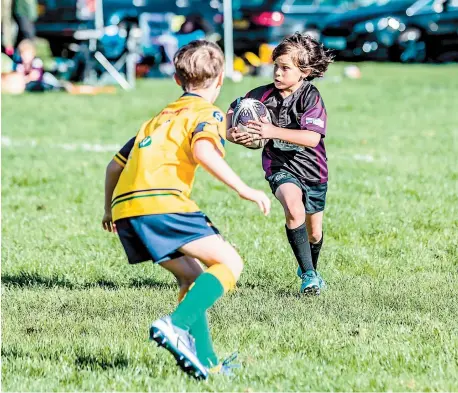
[[75, 316]]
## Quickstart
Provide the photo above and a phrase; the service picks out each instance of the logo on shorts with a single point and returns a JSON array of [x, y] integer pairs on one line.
[[218, 116], [279, 176], [145, 142]]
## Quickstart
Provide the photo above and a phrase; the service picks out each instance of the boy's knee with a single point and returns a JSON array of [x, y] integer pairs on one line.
[[295, 212], [235, 263], [315, 236]]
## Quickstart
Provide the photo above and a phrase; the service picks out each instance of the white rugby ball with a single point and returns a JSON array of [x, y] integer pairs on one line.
[[250, 109]]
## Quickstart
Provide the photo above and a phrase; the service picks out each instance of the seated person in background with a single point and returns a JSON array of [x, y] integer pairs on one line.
[[28, 72], [29, 66]]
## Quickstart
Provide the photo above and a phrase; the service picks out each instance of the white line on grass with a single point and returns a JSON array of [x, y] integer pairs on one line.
[[102, 148], [95, 147]]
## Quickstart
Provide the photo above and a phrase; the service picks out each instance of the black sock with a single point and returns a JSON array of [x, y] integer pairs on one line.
[[298, 239], [315, 249]]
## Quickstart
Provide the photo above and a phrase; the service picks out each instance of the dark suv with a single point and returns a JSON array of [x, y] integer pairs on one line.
[[268, 21], [430, 32], [407, 31], [350, 35]]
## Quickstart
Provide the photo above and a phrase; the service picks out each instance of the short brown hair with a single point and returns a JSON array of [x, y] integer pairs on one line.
[[198, 64], [26, 44], [306, 54]]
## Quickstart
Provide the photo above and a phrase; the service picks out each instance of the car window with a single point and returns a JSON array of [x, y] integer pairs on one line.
[[427, 6], [236, 4], [299, 3], [293, 5], [453, 5]]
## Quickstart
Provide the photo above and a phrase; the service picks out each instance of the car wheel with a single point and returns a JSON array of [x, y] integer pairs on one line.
[[448, 57]]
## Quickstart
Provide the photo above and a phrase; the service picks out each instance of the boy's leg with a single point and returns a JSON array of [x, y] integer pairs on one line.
[[186, 270], [290, 196], [224, 268], [315, 232]]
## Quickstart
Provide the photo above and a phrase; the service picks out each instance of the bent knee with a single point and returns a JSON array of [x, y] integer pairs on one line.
[[315, 236], [233, 261], [295, 212], [235, 264]]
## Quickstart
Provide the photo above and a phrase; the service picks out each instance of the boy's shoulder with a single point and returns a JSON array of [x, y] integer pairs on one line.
[[194, 107], [209, 110], [310, 96]]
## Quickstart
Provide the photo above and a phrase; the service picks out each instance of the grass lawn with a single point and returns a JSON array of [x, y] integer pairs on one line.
[[75, 316]]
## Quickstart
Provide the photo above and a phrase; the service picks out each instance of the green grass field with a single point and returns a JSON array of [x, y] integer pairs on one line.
[[75, 316]]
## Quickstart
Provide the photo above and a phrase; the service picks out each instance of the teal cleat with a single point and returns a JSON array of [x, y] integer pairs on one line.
[[310, 283], [322, 282], [180, 344]]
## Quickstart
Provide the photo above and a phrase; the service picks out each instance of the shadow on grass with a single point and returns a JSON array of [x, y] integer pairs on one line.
[[30, 280], [266, 288], [36, 280], [101, 360]]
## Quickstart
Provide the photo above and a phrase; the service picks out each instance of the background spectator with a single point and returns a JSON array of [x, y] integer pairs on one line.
[[25, 14]]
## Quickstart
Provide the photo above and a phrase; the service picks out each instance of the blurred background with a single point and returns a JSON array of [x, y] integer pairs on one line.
[[102, 42]]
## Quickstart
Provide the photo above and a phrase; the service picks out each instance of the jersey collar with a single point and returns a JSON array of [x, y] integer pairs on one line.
[[187, 94]]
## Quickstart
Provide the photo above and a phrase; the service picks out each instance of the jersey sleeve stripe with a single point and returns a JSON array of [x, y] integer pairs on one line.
[[121, 158], [119, 161]]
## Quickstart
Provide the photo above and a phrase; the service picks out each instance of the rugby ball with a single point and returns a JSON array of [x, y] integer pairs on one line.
[[250, 109]]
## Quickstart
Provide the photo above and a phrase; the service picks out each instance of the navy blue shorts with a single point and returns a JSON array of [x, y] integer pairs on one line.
[[158, 237]]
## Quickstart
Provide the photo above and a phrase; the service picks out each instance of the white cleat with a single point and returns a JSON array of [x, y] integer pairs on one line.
[[180, 344]]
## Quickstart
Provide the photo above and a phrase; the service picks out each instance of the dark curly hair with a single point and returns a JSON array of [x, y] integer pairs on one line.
[[307, 54]]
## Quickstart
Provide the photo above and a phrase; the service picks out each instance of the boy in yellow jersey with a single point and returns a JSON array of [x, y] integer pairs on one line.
[[147, 201]]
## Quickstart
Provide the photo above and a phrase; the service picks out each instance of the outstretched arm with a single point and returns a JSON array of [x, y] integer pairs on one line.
[[207, 155], [112, 174]]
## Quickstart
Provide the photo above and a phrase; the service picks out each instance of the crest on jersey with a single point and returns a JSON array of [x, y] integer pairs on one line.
[[218, 116], [145, 142]]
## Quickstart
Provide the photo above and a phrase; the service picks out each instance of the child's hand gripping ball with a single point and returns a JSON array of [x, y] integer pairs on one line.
[[247, 110]]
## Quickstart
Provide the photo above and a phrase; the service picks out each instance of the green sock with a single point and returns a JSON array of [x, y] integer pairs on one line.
[[207, 289], [204, 345]]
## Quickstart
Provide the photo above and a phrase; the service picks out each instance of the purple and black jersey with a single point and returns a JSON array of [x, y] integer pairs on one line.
[[302, 110]]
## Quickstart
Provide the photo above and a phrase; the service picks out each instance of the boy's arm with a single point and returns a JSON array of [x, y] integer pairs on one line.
[[303, 137], [112, 174], [207, 155], [312, 126]]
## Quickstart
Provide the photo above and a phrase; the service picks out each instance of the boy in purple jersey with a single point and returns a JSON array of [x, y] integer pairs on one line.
[[294, 159]]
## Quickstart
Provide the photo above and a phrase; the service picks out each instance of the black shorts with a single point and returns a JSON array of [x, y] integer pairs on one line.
[[313, 196], [157, 237]]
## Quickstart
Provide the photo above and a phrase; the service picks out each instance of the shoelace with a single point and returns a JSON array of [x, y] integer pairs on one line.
[[227, 366]]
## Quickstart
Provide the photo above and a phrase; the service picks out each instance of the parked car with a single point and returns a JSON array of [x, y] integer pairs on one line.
[[268, 21], [60, 19], [430, 33], [366, 32]]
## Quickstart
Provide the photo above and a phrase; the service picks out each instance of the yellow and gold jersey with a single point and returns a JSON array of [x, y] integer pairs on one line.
[[160, 168]]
